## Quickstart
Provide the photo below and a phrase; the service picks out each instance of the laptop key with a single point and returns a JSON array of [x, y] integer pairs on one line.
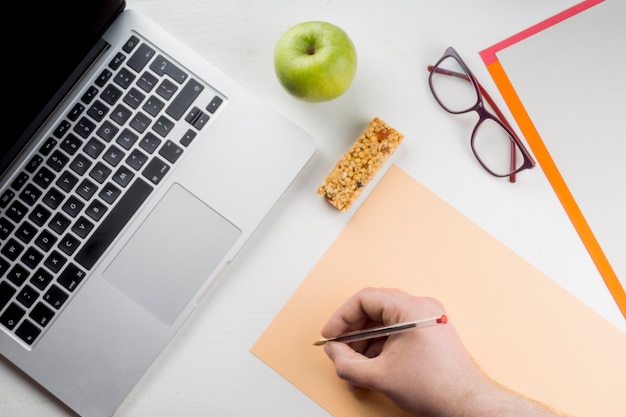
[[61, 129], [71, 277], [57, 160], [126, 139], [44, 177], [80, 164], [140, 58], [89, 95], [124, 78], [215, 103], [130, 44], [134, 98], [96, 210], [19, 181], [140, 122], [31, 257], [6, 293], [113, 155], [82, 227], [156, 170], [147, 82], [53, 198], [112, 224], [163, 126], [162, 65], [123, 176], [55, 296], [71, 144], [39, 215], [170, 151], [17, 275], [41, 279], [55, 261], [187, 137], [68, 244], [76, 111], [153, 106], [28, 332], [107, 131], [4, 267], [12, 315], [86, 189], [98, 110], [27, 296], [111, 94], [6, 227], [166, 89], [136, 159], [121, 114], [117, 61], [67, 181], [184, 99], [84, 127], [59, 223], [16, 211], [150, 142], [41, 314], [30, 194], [34, 163], [104, 76], [45, 240], [12, 249], [26, 232], [6, 198], [100, 172]]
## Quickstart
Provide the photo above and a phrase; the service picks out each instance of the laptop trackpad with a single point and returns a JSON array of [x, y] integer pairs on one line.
[[172, 253]]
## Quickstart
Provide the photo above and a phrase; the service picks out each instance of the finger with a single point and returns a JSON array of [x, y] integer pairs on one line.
[[351, 366], [361, 309]]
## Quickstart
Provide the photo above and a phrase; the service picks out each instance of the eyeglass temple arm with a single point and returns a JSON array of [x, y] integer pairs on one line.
[[493, 105]]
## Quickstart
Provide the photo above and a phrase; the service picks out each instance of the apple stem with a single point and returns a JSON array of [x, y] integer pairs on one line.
[[311, 50]]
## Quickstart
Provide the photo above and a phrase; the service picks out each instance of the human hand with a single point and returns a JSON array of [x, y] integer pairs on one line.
[[426, 371]]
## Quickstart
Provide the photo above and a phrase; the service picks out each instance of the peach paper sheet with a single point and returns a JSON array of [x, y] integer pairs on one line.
[[522, 328]]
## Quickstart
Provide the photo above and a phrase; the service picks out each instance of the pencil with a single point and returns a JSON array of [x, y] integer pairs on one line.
[[384, 330]]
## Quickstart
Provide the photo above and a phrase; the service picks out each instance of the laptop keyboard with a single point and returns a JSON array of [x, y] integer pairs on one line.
[[117, 142]]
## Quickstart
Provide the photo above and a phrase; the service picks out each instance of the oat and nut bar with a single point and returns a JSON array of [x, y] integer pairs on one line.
[[360, 164]]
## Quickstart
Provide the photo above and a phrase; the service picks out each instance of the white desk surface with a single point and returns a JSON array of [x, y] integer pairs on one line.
[[208, 369]]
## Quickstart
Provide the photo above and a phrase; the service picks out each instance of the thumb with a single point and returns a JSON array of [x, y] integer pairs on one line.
[[352, 366]]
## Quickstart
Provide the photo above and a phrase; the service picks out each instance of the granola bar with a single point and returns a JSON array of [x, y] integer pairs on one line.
[[360, 164]]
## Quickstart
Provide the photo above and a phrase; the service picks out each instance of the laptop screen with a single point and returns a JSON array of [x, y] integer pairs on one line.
[[50, 40]]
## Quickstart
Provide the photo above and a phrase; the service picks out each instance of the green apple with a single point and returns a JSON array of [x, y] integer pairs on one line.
[[315, 61]]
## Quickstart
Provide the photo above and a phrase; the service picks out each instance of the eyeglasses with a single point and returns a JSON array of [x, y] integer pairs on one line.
[[494, 143]]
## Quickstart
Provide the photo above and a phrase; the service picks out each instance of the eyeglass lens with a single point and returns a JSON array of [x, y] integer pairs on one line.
[[456, 93], [492, 146], [452, 87]]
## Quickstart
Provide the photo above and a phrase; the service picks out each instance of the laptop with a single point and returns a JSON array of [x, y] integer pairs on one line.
[[132, 174]]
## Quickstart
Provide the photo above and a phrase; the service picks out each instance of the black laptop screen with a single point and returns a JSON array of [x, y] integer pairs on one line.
[[51, 39]]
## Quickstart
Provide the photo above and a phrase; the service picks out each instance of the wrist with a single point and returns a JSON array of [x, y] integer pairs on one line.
[[494, 400]]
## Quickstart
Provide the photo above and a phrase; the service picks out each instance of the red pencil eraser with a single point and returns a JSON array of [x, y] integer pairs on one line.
[[443, 319]]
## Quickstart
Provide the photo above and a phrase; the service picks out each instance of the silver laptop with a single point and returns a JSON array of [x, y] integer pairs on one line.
[[132, 173]]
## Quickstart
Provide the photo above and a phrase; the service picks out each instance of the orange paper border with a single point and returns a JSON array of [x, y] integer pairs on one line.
[[542, 154]]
